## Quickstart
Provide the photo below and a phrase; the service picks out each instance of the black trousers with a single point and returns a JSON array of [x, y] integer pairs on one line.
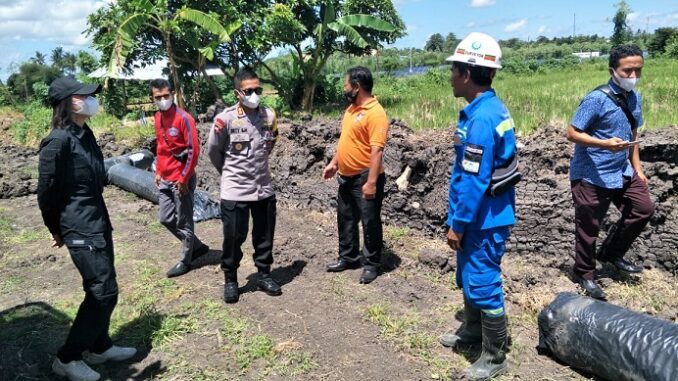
[[235, 216], [352, 208], [92, 254]]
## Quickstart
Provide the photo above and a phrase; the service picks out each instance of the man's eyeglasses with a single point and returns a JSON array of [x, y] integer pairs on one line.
[[249, 92]]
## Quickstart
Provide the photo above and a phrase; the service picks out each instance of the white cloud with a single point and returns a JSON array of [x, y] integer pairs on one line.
[[482, 3], [60, 21], [514, 26], [471, 24], [542, 29], [633, 16], [412, 27]]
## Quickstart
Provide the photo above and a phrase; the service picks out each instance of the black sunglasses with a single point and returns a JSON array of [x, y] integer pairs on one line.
[[249, 92]]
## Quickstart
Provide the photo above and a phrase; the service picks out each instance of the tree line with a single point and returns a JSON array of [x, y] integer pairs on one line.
[[313, 41]]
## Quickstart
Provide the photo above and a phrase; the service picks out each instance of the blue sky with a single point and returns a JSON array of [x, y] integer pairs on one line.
[[27, 26], [525, 19]]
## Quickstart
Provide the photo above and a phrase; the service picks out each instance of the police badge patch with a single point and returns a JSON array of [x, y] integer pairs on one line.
[[473, 157], [240, 144]]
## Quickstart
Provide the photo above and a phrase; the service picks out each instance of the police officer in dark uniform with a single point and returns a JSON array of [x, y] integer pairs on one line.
[[70, 186]]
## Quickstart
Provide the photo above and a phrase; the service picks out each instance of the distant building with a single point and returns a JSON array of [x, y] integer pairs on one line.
[[587, 54]]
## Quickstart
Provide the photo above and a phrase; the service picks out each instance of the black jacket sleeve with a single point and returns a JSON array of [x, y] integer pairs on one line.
[[51, 174]]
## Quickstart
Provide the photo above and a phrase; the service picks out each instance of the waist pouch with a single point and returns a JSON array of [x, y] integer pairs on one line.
[[504, 178]]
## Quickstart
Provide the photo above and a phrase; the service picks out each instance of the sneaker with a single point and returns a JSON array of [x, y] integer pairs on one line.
[[114, 353], [74, 370]]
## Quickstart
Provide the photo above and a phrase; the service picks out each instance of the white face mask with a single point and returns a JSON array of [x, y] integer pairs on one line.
[[164, 104], [88, 106], [251, 101], [627, 84]]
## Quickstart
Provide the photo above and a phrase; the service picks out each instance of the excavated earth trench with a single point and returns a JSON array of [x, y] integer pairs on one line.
[[544, 230]]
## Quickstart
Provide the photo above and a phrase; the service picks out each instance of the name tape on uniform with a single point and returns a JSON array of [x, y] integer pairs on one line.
[[473, 157]]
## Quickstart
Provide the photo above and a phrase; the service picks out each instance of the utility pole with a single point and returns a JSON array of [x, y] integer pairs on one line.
[[574, 26]]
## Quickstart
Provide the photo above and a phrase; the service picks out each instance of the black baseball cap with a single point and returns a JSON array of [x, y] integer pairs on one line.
[[64, 87]]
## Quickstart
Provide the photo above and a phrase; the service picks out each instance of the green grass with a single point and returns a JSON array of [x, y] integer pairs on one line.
[[31, 122], [252, 349], [426, 101], [33, 322], [251, 352], [11, 283], [6, 230], [406, 331], [396, 233], [11, 234]]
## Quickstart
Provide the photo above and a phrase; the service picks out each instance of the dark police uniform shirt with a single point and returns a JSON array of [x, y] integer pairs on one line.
[[71, 182]]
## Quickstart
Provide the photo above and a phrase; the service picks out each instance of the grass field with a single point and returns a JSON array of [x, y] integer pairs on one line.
[[426, 101]]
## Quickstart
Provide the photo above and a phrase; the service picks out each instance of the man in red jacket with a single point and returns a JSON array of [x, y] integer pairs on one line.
[[178, 149]]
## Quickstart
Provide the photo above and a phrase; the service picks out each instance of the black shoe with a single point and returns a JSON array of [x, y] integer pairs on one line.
[[624, 265], [342, 265], [369, 274], [231, 293], [177, 270], [591, 288], [199, 252], [269, 286]]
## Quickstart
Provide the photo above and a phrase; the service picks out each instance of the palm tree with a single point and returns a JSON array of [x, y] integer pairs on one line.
[[39, 58], [158, 17]]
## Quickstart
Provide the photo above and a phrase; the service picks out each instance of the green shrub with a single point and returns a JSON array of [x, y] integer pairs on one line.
[[34, 126], [6, 98], [40, 93]]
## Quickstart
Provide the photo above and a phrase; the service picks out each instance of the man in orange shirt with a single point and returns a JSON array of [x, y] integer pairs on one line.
[[359, 165]]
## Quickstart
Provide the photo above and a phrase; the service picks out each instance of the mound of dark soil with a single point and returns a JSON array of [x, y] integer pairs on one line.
[[544, 204], [18, 171]]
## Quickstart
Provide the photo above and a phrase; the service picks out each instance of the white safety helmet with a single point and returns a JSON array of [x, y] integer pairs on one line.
[[478, 49]]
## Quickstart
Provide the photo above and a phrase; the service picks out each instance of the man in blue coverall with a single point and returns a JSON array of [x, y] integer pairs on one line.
[[479, 223]]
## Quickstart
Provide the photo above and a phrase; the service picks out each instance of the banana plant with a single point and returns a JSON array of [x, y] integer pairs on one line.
[[344, 26], [157, 16]]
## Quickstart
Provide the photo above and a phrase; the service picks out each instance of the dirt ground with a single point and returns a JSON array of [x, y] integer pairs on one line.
[[324, 326]]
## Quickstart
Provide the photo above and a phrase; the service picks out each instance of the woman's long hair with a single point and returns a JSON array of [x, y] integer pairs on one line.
[[61, 114]]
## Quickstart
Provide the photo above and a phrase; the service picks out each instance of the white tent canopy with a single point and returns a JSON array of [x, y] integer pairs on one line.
[[147, 73]]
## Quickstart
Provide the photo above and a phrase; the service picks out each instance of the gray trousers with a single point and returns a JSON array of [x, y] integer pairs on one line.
[[176, 213]]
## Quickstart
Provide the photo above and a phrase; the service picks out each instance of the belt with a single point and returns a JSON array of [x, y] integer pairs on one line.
[[364, 171]]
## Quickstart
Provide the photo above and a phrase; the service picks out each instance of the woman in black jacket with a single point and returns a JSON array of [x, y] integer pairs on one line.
[[70, 187]]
